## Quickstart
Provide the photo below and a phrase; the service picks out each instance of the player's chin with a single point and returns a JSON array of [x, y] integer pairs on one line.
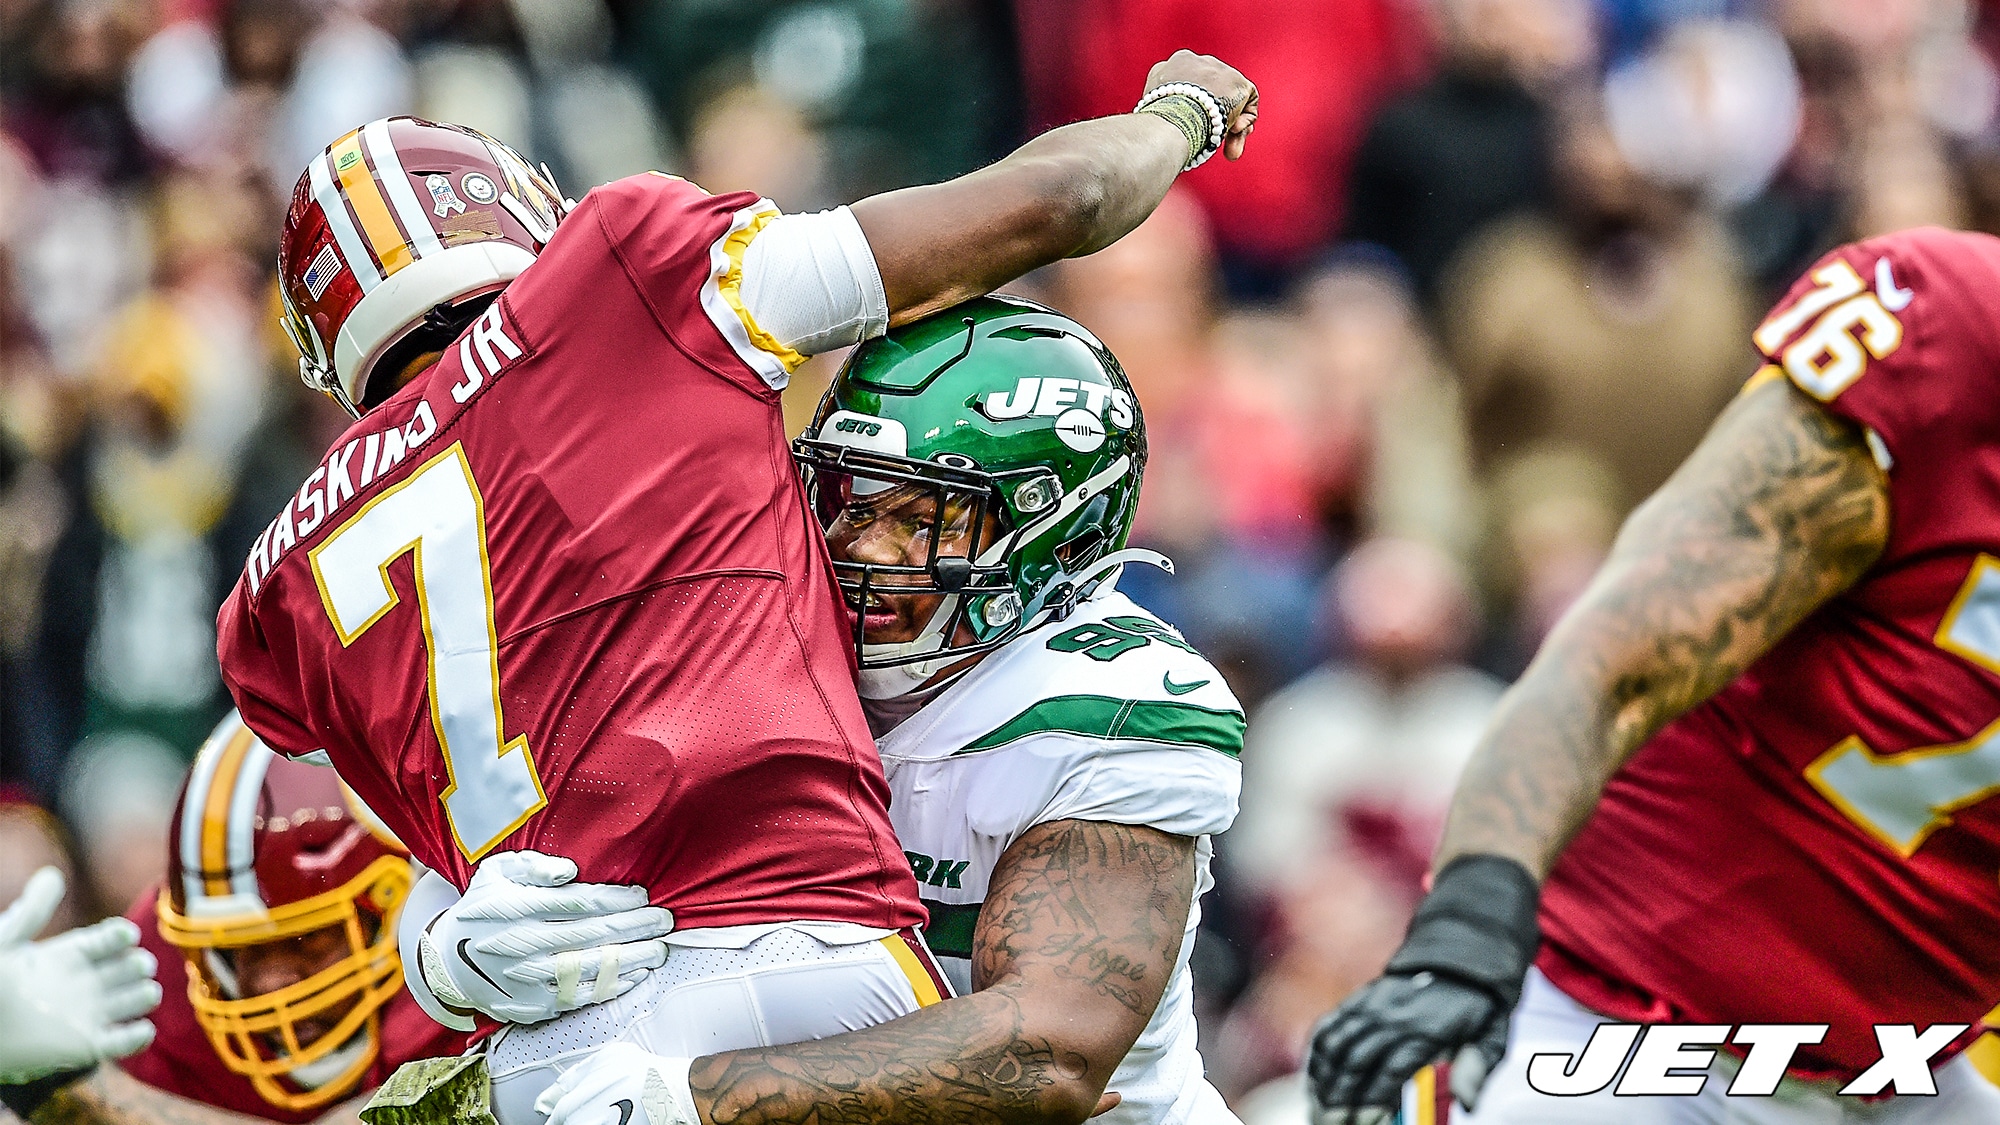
[[895, 619]]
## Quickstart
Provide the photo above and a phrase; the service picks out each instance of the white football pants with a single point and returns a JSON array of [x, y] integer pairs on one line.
[[1547, 1020], [785, 987]]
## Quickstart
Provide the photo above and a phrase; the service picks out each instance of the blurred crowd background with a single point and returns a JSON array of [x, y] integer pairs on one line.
[[1484, 277]]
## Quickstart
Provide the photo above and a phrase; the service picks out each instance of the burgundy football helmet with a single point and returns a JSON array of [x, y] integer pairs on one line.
[[395, 235], [264, 850]]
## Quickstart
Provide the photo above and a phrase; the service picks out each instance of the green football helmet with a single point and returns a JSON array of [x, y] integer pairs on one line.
[[1022, 427]]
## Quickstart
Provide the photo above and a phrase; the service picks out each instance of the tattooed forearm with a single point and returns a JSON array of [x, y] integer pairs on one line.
[[112, 1097], [1052, 910], [972, 1059], [1081, 929], [1780, 509]]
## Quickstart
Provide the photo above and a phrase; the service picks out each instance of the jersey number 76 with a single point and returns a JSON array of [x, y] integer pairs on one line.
[[437, 514]]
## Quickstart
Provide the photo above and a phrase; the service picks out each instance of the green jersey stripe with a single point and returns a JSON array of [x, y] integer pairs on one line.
[[1101, 716], [949, 932]]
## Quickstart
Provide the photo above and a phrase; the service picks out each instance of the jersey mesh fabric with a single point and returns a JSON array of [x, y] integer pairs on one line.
[[1718, 881]]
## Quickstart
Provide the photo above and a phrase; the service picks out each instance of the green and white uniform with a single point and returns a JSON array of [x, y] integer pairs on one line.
[[1107, 715]]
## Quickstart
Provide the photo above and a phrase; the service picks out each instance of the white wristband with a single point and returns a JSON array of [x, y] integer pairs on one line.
[[1212, 105]]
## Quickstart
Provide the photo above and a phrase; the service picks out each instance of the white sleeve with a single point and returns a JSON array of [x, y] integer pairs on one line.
[[431, 896], [810, 282], [1185, 790]]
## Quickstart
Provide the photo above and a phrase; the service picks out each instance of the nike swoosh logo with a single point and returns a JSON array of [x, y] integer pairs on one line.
[[1167, 681], [1892, 298], [624, 1108], [462, 943]]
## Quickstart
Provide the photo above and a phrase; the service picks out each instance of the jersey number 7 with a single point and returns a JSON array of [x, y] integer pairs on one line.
[[438, 515]]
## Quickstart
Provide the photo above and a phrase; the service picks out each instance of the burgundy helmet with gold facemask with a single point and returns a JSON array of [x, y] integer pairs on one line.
[[266, 850]]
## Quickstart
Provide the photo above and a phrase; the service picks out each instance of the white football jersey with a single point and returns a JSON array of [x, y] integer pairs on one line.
[[1107, 715]]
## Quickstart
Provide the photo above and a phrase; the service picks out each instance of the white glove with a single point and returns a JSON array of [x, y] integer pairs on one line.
[[525, 943], [74, 1000], [606, 1087]]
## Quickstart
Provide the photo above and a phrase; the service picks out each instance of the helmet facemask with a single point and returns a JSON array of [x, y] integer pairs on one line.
[[962, 528], [257, 1036], [915, 531]]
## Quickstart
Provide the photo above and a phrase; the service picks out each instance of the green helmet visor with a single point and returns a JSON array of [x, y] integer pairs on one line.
[[902, 532]]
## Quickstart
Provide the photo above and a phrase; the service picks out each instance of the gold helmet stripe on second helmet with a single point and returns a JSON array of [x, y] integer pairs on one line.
[[216, 844]]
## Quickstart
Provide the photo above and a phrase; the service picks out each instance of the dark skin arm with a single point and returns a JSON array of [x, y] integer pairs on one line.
[[1779, 509], [1070, 191], [1080, 931]]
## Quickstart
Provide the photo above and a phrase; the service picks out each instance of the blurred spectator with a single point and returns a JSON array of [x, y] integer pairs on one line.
[[1372, 742], [1554, 512], [1346, 775], [1387, 420], [1470, 145], [1151, 297], [749, 139], [1713, 108], [1321, 67], [905, 92], [1618, 327], [64, 80], [1230, 485], [30, 840], [119, 799]]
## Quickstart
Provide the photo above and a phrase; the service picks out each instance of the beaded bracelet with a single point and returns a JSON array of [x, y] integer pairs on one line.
[[1171, 100]]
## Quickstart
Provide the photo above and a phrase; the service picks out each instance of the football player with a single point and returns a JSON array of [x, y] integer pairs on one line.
[[559, 588], [1750, 778], [275, 940], [1058, 757]]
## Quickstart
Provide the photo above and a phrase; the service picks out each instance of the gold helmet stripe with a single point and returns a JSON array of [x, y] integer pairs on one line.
[[357, 183], [215, 812], [345, 236], [194, 807]]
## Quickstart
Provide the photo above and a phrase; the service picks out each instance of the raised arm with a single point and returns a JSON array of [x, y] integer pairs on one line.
[[1779, 509], [1072, 953], [1070, 191]]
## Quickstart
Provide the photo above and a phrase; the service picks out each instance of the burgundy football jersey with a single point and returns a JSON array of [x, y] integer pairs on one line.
[[1820, 842], [181, 1060], [563, 592]]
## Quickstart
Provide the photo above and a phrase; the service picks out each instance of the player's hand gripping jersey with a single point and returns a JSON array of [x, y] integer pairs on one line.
[[1108, 716], [561, 592], [1818, 842]]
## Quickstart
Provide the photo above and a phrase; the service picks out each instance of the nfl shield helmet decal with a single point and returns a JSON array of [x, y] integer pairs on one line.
[[444, 200]]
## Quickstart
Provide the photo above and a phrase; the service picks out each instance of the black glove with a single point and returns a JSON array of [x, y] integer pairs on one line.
[[1452, 985]]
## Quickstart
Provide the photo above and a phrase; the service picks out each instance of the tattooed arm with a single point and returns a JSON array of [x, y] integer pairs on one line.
[[109, 1096], [1074, 946], [1779, 509]]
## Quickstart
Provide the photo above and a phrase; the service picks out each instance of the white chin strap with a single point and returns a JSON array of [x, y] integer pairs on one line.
[[890, 683]]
